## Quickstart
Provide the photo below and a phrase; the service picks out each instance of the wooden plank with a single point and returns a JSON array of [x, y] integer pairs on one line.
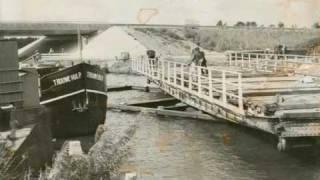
[[155, 102], [146, 88], [299, 114], [272, 92], [180, 106], [164, 112], [119, 88], [264, 79], [128, 87], [278, 85], [299, 106], [267, 85]]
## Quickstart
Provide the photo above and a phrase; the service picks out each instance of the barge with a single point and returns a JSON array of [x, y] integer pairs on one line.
[[76, 98], [73, 91], [275, 93]]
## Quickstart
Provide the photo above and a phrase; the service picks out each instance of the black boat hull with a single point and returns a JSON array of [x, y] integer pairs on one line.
[[76, 100], [66, 122]]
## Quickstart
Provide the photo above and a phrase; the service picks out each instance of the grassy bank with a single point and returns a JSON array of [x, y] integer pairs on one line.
[[234, 39]]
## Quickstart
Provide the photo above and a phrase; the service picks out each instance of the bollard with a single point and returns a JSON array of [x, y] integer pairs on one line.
[[147, 89]]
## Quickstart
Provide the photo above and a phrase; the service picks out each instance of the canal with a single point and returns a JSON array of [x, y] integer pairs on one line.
[[168, 148]]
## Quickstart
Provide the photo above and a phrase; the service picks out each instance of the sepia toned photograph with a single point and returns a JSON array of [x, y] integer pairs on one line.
[[160, 90]]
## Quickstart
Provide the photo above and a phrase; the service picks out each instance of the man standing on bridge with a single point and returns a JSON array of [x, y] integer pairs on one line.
[[198, 59], [196, 56]]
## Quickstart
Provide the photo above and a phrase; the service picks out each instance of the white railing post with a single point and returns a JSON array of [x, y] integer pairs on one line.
[[155, 67], [174, 73], [141, 65], [224, 88], [236, 59], [146, 62], [162, 70], [242, 60], [210, 84], [230, 58], [152, 69], [168, 73], [182, 76], [199, 68], [144, 66], [265, 65], [157, 70], [165, 70], [132, 65], [149, 68], [136, 64], [249, 59], [275, 66], [240, 96], [191, 69]]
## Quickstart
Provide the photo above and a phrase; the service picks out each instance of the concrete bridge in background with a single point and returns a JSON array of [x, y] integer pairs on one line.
[[49, 28], [71, 28]]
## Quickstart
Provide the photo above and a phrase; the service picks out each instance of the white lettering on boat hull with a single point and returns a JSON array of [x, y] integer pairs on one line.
[[67, 79]]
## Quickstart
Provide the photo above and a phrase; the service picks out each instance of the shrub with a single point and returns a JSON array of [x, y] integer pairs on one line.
[[174, 35]]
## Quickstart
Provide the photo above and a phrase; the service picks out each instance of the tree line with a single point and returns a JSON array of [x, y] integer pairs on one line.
[[220, 23]]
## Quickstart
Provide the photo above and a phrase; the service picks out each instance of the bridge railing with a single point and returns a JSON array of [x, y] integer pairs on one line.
[[269, 62], [220, 87], [43, 57]]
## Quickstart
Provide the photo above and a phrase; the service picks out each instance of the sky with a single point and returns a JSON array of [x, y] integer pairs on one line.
[[302, 13]]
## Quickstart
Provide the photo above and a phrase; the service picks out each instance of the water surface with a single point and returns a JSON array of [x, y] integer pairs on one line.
[[168, 148]]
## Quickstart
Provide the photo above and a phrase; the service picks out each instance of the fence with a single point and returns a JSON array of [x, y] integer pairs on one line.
[[210, 84], [269, 62]]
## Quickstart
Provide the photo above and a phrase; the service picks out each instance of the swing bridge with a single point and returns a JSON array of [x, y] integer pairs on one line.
[[249, 89]]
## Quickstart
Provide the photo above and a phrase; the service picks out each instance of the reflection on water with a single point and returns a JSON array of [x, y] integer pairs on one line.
[[185, 149]]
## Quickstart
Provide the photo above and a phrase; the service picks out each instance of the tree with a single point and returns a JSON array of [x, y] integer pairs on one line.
[[280, 25], [254, 24], [220, 23], [316, 25], [251, 24], [240, 24]]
